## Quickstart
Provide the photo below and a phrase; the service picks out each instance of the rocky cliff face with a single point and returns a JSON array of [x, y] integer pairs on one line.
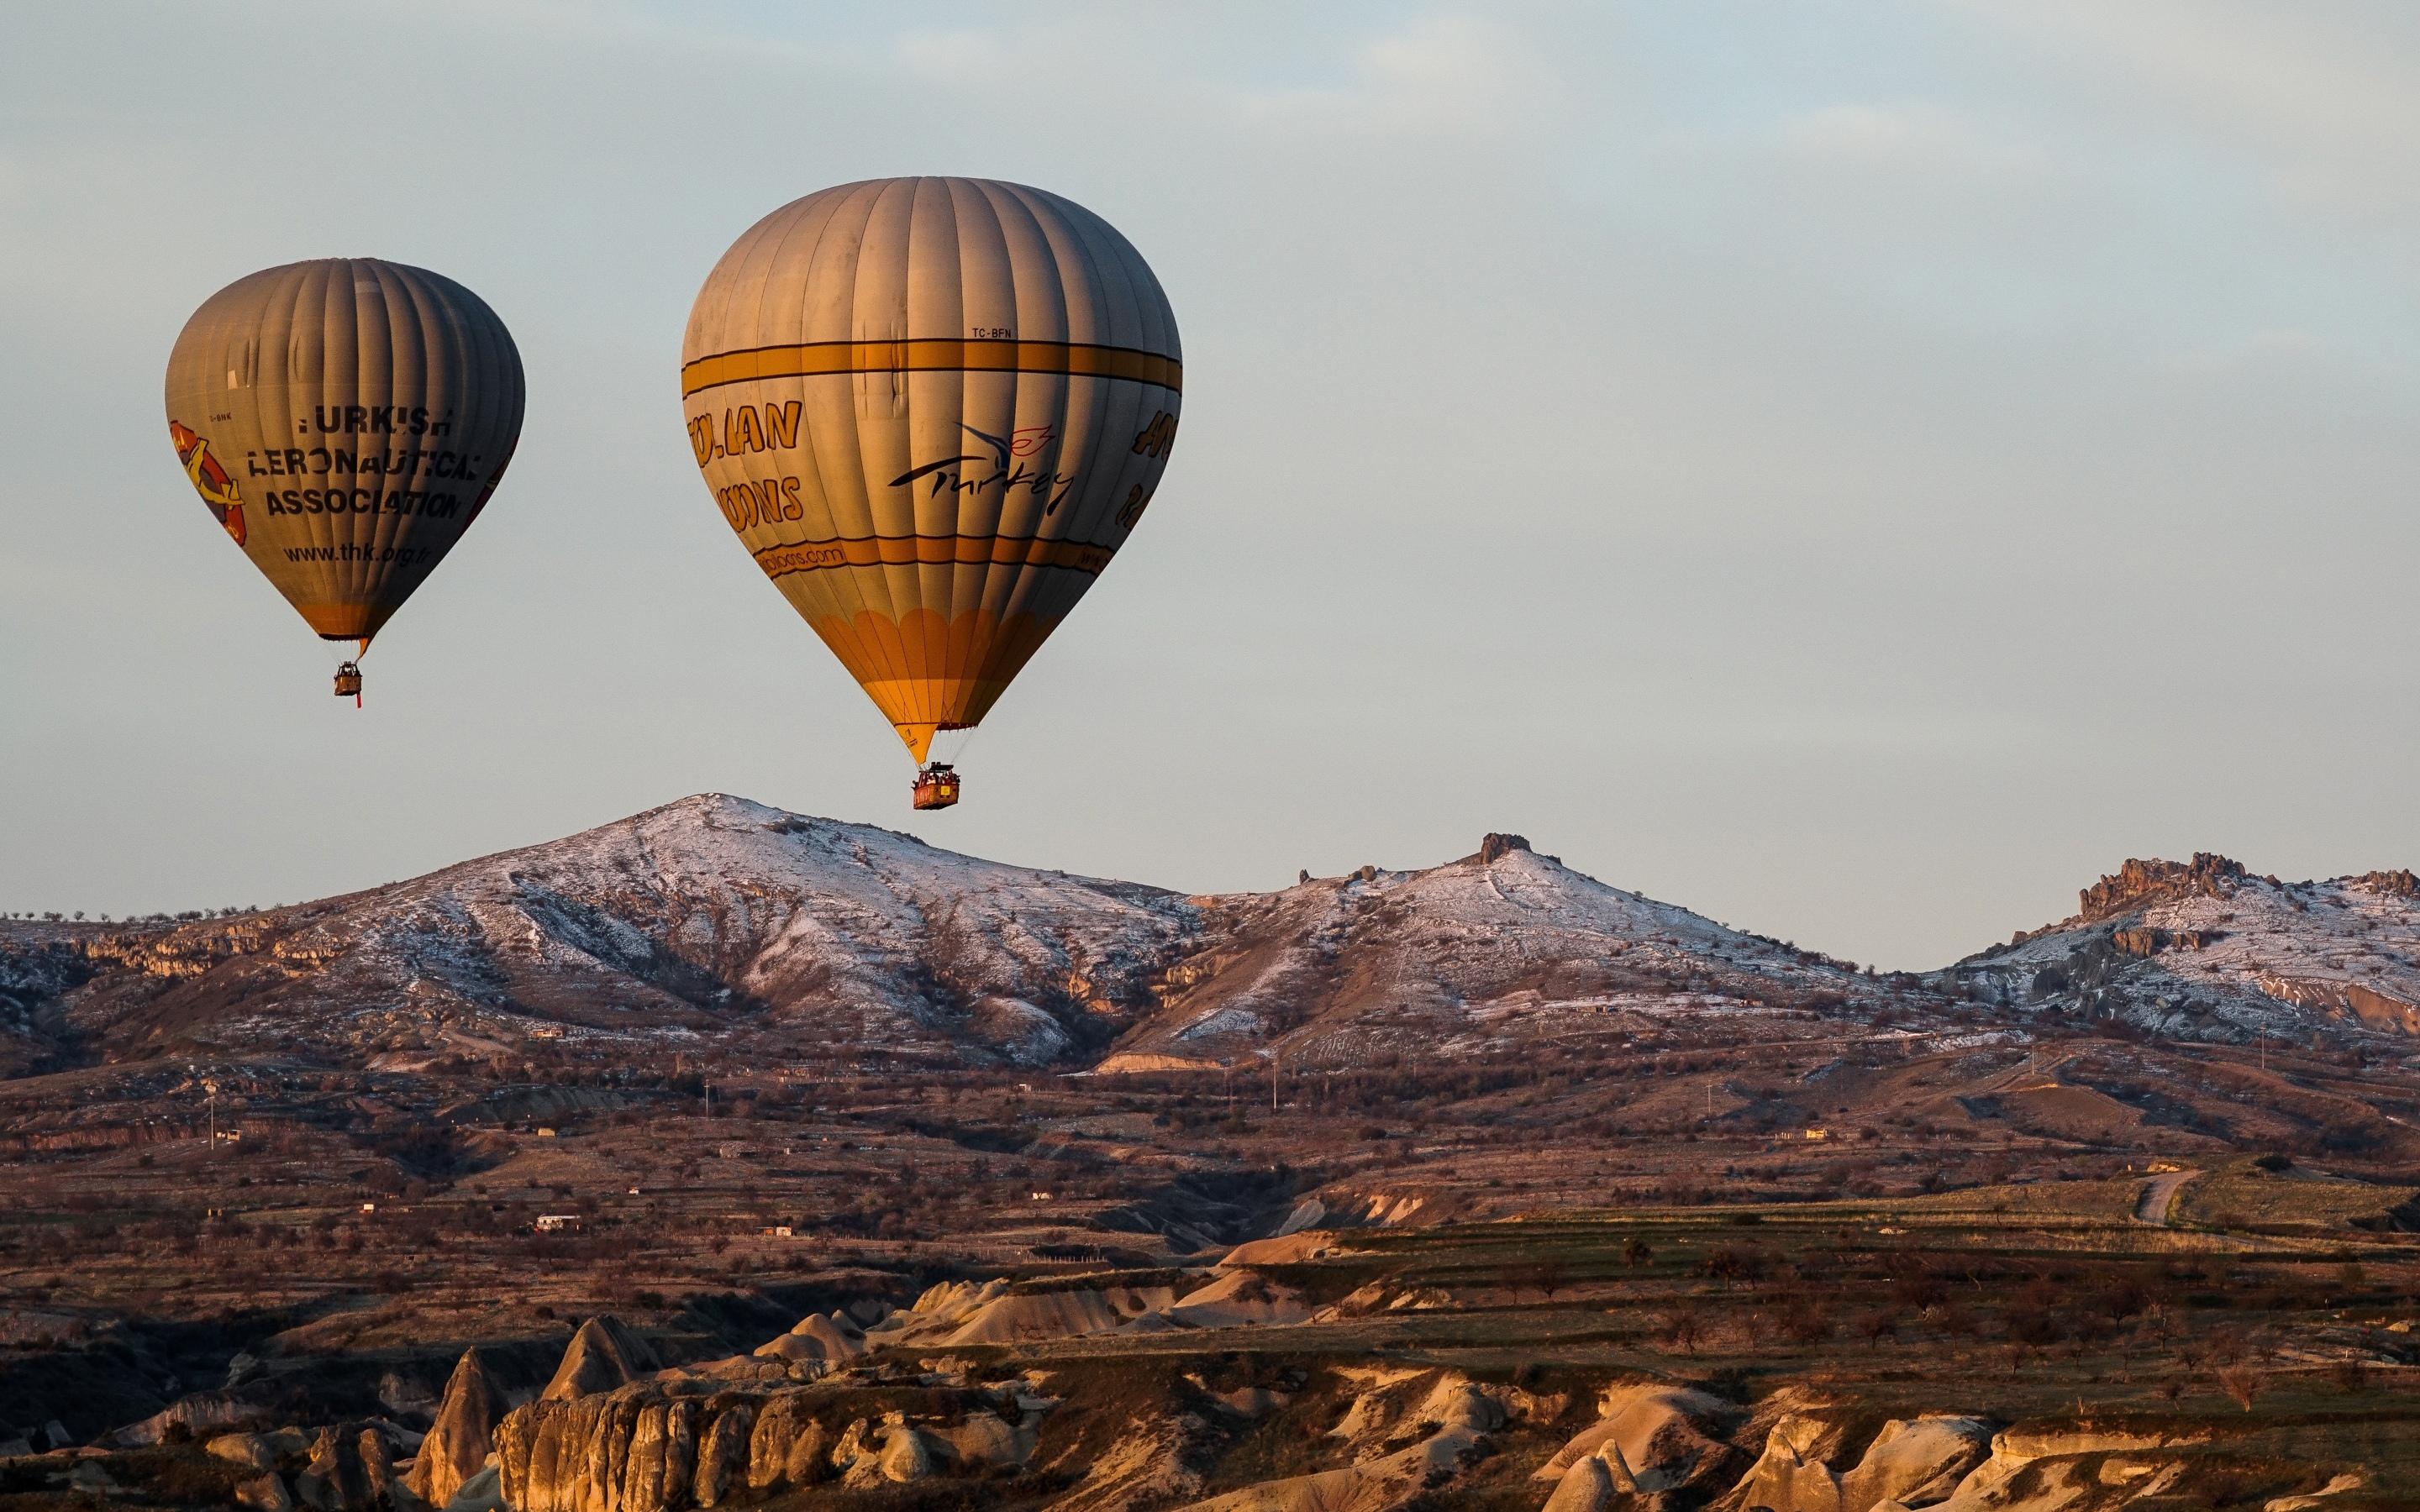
[[656, 1446], [2138, 884], [2206, 950], [459, 1441]]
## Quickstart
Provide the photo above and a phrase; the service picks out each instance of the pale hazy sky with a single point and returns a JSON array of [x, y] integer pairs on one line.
[[1857, 469]]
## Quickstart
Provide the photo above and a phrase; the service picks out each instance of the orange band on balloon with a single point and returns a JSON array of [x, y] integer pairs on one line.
[[900, 550], [974, 355]]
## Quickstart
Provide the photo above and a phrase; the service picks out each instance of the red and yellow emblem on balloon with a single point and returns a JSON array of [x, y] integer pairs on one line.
[[209, 480]]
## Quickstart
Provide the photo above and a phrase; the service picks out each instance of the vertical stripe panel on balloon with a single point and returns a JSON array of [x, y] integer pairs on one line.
[[934, 295], [860, 598], [303, 378], [877, 302], [382, 369], [1043, 300], [983, 298], [879, 314], [873, 608]]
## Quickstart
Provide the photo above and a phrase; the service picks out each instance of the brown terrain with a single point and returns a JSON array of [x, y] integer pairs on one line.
[[727, 1157]]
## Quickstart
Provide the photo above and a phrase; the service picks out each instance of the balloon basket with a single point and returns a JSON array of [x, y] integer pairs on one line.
[[936, 787], [348, 683]]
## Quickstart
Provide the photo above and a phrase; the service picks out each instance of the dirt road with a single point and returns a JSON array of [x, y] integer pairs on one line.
[[2159, 1196]]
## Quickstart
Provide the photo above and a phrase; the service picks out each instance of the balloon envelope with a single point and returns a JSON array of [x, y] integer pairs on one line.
[[345, 420], [932, 408]]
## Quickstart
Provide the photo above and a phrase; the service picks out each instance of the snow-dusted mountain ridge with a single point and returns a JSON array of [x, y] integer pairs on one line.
[[719, 918], [2204, 948], [716, 921]]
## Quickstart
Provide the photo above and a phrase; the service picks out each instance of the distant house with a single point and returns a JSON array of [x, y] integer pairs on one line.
[[1039, 1196], [559, 1223], [369, 1207], [546, 1134], [777, 1231]]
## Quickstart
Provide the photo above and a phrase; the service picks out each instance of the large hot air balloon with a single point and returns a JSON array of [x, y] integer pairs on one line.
[[345, 420], [932, 409]]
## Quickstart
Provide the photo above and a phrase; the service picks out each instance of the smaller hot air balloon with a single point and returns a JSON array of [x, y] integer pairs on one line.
[[345, 421]]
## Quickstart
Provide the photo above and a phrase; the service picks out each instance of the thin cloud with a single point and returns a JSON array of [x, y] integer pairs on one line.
[[2327, 108], [1455, 74], [1909, 137]]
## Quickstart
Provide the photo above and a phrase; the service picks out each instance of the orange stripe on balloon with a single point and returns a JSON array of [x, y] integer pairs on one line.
[[902, 550], [971, 355]]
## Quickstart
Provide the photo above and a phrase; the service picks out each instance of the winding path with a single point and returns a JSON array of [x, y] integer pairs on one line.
[[2160, 1196]]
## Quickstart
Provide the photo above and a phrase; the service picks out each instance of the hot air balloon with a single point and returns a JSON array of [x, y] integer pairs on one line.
[[345, 421], [932, 409]]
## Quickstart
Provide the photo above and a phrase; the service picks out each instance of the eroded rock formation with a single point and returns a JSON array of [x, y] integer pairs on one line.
[[658, 1445], [2139, 882], [460, 1440], [602, 1355]]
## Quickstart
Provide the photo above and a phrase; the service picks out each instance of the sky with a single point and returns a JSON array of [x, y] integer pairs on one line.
[[1858, 470]]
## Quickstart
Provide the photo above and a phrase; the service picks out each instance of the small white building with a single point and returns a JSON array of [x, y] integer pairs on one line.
[[559, 1223]]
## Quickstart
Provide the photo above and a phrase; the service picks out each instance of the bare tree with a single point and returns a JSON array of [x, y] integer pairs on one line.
[[1684, 1327], [2241, 1383]]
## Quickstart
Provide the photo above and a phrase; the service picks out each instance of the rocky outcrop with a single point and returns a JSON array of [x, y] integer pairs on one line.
[[1296, 1246], [1452, 1422], [786, 1446], [2072, 1470], [264, 1493], [1658, 1438], [817, 1339], [1237, 1298], [351, 1468], [463, 1433], [2145, 941], [1492, 846], [1916, 1460], [890, 1451], [1911, 1461], [603, 1354], [566, 1455], [482, 1492], [202, 1414], [256, 1451], [960, 1313], [2139, 882], [658, 1445], [1587, 1487], [723, 1454]]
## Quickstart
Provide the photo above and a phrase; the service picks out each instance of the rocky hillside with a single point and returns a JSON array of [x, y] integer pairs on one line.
[[701, 918], [714, 918], [717, 922], [1502, 942], [2205, 949]]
